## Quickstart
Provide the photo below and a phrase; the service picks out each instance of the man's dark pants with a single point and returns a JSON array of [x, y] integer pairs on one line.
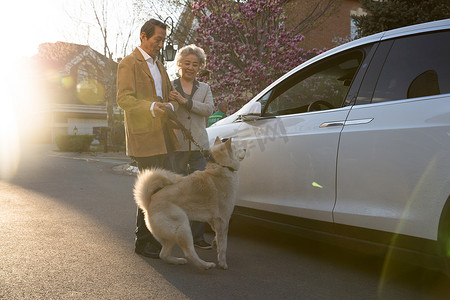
[[143, 235]]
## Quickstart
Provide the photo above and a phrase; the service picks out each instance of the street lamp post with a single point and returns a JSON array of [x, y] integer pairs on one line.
[[168, 52]]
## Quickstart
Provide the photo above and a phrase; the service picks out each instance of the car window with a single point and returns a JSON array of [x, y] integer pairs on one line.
[[367, 86], [320, 87], [416, 66]]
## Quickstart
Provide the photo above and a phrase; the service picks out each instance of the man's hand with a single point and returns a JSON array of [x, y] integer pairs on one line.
[[158, 111]]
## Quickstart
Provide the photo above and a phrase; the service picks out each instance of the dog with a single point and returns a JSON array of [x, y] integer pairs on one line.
[[170, 200]]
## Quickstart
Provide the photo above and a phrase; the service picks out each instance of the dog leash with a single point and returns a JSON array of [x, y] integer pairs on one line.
[[178, 87], [187, 134]]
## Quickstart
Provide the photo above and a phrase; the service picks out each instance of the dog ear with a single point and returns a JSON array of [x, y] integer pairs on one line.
[[228, 145], [217, 141]]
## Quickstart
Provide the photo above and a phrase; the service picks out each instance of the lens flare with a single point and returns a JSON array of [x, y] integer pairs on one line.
[[53, 76], [90, 92], [315, 184], [67, 82], [425, 183], [9, 141]]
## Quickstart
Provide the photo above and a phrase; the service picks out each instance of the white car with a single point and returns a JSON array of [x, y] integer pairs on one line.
[[354, 144]]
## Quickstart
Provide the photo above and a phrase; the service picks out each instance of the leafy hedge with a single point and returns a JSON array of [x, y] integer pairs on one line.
[[74, 143], [386, 15]]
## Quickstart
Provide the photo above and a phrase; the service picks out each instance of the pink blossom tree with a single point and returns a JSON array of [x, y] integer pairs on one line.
[[248, 46]]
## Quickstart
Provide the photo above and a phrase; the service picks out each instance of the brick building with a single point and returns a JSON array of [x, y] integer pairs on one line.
[[71, 83], [333, 28], [321, 30]]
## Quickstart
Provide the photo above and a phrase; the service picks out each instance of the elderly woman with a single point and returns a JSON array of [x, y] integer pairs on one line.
[[196, 105]]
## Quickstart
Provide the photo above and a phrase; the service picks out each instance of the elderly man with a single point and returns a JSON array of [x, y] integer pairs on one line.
[[143, 88]]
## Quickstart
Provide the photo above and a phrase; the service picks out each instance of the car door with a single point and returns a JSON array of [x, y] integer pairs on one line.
[[394, 153], [290, 166]]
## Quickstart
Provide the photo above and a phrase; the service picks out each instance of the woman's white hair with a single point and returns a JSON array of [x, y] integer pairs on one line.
[[191, 49]]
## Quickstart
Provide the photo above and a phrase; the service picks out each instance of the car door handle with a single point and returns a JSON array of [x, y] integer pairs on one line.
[[348, 122], [331, 124], [358, 121]]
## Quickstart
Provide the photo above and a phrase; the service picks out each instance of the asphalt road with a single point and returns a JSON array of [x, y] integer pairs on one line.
[[66, 232]]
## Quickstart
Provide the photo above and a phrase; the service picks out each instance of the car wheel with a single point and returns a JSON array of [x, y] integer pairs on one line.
[[446, 248], [444, 237]]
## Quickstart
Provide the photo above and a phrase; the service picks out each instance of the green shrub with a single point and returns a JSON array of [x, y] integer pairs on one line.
[[74, 143]]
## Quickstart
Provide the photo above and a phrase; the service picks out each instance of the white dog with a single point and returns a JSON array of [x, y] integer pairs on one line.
[[170, 200]]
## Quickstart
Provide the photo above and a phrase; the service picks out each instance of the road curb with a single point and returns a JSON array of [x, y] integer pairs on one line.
[[126, 169]]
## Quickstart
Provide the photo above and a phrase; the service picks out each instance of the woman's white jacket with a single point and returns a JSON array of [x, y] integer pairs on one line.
[[194, 115]]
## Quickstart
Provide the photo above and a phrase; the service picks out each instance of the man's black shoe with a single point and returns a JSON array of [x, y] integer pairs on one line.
[[202, 245], [148, 249]]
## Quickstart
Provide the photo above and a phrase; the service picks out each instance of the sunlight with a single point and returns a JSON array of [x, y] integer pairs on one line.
[[9, 138], [20, 115], [425, 183], [11, 117], [24, 24]]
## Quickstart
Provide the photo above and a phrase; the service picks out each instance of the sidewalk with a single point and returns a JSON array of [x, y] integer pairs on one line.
[[123, 163]]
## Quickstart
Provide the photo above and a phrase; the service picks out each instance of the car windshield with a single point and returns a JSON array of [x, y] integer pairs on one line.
[[328, 83]]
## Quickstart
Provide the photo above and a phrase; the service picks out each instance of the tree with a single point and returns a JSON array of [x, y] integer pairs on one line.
[[314, 12], [248, 46], [274, 32], [390, 14], [178, 10], [115, 41], [104, 24]]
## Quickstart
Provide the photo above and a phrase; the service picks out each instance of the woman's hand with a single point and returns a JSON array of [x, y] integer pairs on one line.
[[174, 95]]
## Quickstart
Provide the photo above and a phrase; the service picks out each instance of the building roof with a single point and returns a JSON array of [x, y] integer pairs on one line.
[[57, 55]]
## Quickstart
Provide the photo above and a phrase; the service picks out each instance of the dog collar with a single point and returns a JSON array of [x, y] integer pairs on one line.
[[229, 168], [211, 159]]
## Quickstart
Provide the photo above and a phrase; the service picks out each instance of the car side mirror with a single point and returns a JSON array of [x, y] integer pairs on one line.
[[250, 112]]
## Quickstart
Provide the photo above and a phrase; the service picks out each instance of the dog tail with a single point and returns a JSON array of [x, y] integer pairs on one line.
[[149, 182]]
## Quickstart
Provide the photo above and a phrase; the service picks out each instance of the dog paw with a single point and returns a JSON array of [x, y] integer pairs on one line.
[[223, 266], [174, 260], [209, 266], [181, 261]]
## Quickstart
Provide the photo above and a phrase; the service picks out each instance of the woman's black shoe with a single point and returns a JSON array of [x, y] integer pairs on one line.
[[148, 249]]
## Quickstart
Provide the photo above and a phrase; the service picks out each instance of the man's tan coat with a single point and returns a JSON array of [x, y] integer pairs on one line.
[[135, 95]]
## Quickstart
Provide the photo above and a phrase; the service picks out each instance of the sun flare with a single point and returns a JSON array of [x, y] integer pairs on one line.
[[9, 137], [24, 25]]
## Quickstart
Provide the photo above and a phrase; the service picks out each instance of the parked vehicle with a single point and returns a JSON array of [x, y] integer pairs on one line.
[[354, 144]]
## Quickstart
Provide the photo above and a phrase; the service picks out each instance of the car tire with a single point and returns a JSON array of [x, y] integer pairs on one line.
[[446, 249], [444, 237]]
